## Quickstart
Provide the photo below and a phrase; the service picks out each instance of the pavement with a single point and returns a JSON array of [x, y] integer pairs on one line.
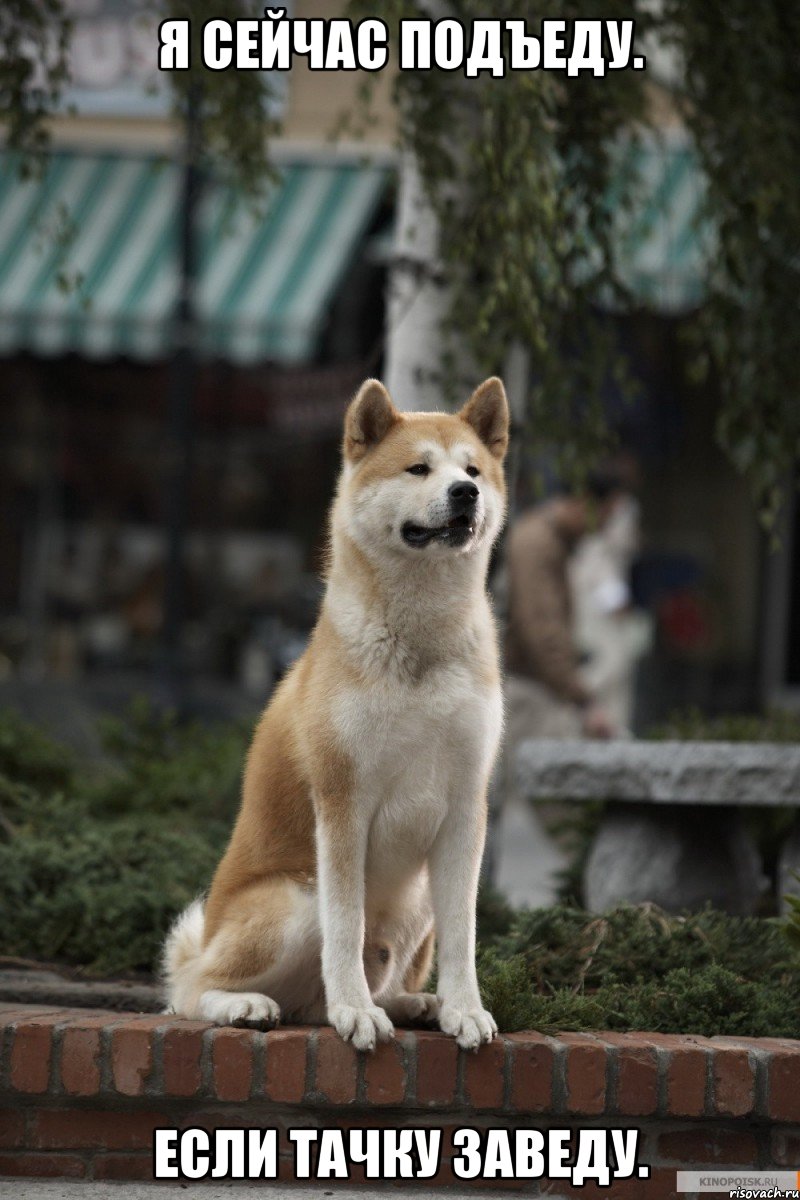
[[78, 1189], [27, 982]]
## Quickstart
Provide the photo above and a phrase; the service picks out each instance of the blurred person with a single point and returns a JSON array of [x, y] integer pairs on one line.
[[547, 695], [611, 634]]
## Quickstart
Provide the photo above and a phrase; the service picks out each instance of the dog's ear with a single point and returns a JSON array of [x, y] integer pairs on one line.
[[369, 418], [487, 412]]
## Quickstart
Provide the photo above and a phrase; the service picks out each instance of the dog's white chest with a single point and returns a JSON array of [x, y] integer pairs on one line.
[[415, 751], [392, 731]]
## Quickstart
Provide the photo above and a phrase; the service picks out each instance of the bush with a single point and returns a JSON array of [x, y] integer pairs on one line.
[[637, 968], [100, 895], [159, 765], [30, 756], [95, 862], [691, 725]]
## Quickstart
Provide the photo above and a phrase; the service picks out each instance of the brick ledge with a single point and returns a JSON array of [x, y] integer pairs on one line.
[[81, 1090]]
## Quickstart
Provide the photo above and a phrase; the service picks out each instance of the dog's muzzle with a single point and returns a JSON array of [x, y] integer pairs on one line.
[[462, 498]]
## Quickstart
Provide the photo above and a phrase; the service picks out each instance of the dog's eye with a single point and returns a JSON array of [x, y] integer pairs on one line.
[[472, 471], [419, 469]]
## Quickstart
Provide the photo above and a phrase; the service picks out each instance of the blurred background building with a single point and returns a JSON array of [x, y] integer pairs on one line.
[[289, 315], [288, 310]]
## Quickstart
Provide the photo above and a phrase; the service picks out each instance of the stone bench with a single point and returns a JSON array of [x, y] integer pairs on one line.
[[672, 832]]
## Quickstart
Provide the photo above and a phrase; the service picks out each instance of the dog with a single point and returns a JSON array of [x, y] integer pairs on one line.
[[363, 812]]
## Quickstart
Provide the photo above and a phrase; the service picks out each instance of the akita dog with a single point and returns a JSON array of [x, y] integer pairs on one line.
[[363, 814]]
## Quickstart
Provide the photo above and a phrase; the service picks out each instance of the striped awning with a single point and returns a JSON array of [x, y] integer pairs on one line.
[[662, 243], [89, 257]]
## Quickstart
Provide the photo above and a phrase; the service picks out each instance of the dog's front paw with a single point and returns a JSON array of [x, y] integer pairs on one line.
[[361, 1026], [413, 1006], [469, 1026]]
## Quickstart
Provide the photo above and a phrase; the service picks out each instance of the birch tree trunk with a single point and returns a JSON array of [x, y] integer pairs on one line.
[[417, 300]]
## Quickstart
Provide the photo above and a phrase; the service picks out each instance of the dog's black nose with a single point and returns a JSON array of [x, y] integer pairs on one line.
[[462, 494]]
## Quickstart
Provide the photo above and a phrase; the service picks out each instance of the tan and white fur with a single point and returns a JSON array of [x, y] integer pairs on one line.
[[363, 813]]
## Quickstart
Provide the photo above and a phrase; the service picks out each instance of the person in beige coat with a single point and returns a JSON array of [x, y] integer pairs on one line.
[[545, 687]]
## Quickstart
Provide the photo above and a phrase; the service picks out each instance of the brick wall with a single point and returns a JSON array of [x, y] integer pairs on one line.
[[81, 1092]]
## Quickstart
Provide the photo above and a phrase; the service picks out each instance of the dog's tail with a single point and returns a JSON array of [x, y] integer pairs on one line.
[[182, 950]]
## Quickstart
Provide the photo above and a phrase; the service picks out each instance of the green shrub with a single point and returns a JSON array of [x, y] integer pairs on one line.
[[567, 947], [100, 894], [710, 1002], [30, 756], [95, 863], [691, 725], [792, 923], [160, 765], [637, 968]]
